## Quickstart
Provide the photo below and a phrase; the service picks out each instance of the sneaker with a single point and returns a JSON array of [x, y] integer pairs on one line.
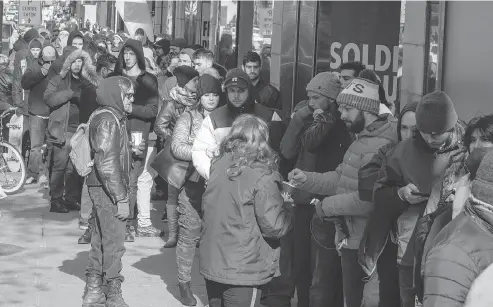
[[149, 231], [83, 225], [31, 180], [43, 179]]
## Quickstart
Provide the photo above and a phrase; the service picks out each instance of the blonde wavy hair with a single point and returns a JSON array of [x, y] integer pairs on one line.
[[248, 143]]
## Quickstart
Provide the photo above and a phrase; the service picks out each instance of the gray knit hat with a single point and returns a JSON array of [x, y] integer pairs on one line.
[[361, 94], [482, 186], [326, 84]]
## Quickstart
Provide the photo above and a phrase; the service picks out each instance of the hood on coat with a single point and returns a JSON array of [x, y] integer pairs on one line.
[[412, 106], [384, 127], [88, 69], [20, 44], [72, 35], [109, 94], [136, 46]]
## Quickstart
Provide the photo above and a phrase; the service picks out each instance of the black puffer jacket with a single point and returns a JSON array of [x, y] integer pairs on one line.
[[461, 251], [109, 143], [243, 222]]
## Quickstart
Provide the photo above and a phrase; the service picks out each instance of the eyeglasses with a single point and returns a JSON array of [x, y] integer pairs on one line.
[[129, 95]]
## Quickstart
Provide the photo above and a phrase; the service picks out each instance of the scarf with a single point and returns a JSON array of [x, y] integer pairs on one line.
[[180, 95]]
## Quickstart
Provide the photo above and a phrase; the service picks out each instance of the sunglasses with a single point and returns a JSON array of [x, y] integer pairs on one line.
[[129, 95]]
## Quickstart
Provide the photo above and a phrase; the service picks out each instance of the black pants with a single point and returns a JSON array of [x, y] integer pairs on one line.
[[108, 237], [221, 295], [65, 182], [353, 277]]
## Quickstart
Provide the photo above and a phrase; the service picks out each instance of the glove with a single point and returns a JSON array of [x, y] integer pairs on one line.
[[123, 210]]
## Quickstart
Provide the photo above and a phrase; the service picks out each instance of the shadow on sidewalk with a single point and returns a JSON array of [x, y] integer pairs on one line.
[[76, 267]]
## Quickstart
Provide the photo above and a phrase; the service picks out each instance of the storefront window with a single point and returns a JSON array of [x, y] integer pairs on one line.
[[227, 48], [191, 21], [435, 40]]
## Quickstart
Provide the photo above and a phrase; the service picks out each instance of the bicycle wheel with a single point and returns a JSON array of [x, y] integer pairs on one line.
[[10, 159]]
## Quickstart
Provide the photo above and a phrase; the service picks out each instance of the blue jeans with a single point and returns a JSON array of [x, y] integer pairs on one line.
[[108, 237], [37, 132], [189, 227]]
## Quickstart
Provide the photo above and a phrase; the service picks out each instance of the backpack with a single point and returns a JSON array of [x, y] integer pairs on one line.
[[80, 152]]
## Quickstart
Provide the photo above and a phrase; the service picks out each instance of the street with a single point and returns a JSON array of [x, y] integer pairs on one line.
[[41, 264]]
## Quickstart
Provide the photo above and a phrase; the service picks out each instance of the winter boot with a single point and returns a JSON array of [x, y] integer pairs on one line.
[[187, 298], [114, 297], [172, 226], [129, 236], [93, 293]]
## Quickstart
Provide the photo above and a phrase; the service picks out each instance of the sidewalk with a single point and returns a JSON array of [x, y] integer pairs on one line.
[[41, 264]]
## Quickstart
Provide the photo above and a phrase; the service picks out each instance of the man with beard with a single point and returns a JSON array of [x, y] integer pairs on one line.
[[359, 105], [265, 93], [131, 64]]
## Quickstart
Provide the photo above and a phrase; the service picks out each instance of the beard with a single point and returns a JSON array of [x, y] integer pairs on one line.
[[358, 124]]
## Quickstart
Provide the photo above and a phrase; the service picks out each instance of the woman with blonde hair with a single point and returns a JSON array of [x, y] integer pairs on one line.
[[244, 216]]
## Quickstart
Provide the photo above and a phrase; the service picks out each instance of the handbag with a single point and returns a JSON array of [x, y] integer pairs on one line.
[[174, 171]]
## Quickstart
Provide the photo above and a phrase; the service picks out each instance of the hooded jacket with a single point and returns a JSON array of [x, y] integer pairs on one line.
[[341, 185], [72, 35], [243, 221], [461, 251], [58, 94], [36, 82], [413, 161], [110, 147], [378, 229], [146, 99], [217, 124], [23, 59], [57, 65]]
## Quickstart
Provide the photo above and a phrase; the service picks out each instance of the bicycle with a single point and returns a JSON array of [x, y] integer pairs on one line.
[[12, 166]]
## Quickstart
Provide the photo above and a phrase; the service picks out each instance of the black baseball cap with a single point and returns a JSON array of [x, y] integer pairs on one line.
[[237, 77]]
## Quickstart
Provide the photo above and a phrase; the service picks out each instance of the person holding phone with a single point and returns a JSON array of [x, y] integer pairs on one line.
[[419, 172]]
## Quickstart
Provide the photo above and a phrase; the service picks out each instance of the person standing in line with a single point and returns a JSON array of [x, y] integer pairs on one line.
[[244, 217], [131, 64], [109, 191], [190, 198]]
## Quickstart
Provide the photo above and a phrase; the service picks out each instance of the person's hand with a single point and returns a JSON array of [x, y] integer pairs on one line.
[[123, 210], [138, 150], [297, 177], [45, 68], [317, 112], [304, 112], [406, 194]]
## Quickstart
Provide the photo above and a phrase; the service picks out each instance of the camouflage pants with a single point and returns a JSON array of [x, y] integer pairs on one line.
[[108, 237], [189, 227]]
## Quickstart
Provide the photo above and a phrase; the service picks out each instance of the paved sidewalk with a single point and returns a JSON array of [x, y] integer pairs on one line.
[[41, 264]]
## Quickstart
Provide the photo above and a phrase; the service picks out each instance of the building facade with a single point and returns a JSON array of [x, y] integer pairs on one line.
[[415, 47]]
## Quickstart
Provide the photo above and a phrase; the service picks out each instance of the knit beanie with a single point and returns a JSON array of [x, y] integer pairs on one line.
[[208, 84], [184, 74], [361, 94], [482, 186], [30, 35], [326, 84], [163, 44], [189, 52], [436, 113], [35, 43]]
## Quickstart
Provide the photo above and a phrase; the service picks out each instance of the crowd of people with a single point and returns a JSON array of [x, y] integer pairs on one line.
[[338, 200]]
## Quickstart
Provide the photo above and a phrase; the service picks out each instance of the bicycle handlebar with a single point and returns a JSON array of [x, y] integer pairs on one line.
[[6, 112]]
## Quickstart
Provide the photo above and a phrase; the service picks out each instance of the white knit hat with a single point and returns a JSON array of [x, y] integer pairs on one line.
[[361, 94]]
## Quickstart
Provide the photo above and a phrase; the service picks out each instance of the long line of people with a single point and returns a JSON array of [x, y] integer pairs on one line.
[[384, 211]]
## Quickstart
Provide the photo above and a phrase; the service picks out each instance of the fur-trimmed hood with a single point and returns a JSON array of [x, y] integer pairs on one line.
[[88, 68]]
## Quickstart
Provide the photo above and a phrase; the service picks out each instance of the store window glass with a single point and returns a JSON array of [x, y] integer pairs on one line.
[[169, 19], [227, 52], [191, 21], [435, 40], [262, 33]]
